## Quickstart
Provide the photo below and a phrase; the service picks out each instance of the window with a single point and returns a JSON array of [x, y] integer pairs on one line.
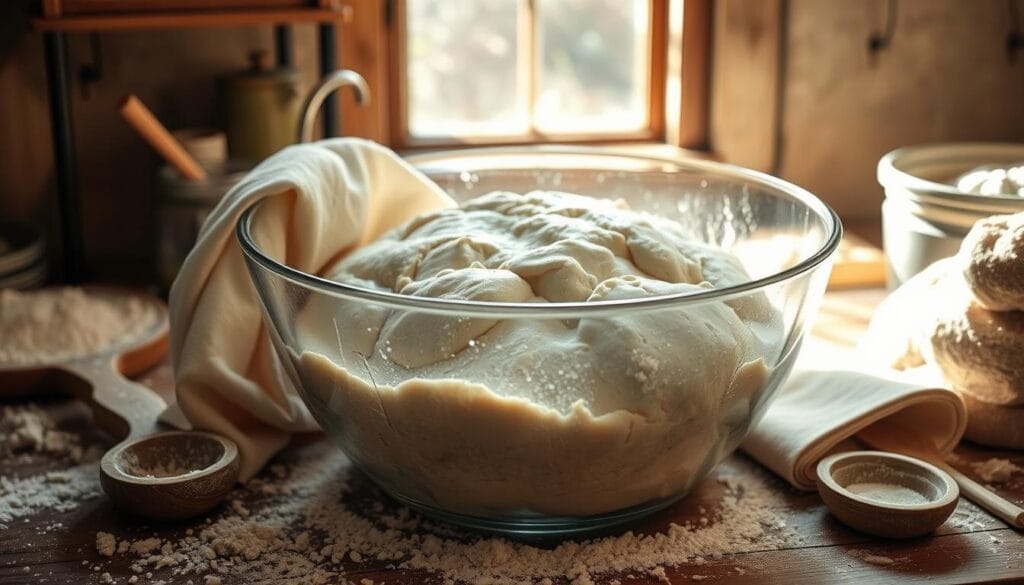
[[505, 71]]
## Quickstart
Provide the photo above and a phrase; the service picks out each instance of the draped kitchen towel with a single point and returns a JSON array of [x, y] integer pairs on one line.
[[328, 197], [818, 411]]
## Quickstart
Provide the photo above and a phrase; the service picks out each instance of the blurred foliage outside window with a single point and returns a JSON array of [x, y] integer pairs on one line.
[[515, 68]]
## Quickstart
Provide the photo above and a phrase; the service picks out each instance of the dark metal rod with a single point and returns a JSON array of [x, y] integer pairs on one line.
[[328, 63], [64, 158], [283, 45]]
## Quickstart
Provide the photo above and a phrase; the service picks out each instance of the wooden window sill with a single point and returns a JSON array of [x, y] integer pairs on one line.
[[656, 149]]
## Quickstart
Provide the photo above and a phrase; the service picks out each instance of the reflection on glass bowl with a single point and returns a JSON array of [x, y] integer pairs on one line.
[[528, 416]]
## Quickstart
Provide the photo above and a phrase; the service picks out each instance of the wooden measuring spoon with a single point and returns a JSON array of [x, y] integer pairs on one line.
[[159, 475], [846, 480], [890, 437]]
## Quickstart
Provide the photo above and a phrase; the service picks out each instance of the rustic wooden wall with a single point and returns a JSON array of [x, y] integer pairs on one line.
[[173, 72], [945, 77]]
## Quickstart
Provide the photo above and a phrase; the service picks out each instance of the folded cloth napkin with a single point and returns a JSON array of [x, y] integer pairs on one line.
[[818, 411], [336, 194]]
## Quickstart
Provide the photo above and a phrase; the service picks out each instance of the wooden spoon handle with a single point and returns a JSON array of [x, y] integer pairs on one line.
[[890, 437], [122, 408], [145, 123], [979, 494]]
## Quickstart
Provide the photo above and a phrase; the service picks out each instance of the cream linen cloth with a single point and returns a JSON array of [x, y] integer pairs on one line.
[[327, 197], [818, 412]]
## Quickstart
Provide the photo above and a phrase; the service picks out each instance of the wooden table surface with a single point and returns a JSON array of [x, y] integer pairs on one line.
[[979, 549]]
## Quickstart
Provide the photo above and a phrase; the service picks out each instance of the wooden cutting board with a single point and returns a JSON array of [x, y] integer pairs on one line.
[[858, 264]]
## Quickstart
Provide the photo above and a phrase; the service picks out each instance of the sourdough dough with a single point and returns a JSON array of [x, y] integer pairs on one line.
[[992, 256], [555, 416], [934, 319], [977, 350], [993, 180], [994, 425], [901, 324]]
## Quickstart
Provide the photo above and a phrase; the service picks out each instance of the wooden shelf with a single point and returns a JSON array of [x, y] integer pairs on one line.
[[137, 21]]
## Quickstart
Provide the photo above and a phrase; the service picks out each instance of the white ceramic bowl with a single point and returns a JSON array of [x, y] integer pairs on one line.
[[924, 216]]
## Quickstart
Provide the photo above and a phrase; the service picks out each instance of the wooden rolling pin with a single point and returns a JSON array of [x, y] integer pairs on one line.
[[152, 131]]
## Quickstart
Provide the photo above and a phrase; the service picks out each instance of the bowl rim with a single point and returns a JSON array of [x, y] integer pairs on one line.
[[254, 254], [826, 468], [890, 175]]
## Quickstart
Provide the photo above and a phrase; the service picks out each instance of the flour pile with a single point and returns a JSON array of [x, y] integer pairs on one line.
[[299, 525], [996, 470], [29, 431], [56, 324]]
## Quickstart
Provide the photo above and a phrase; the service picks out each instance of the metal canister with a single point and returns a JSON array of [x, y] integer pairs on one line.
[[183, 208], [260, 108]]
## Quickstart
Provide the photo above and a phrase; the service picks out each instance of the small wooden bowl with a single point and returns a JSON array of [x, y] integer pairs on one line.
[[171, 475], [874, 515]]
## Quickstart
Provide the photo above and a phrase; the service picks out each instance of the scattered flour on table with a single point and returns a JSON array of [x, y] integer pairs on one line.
[[996, 470], [299, 528], [28, 430], [106, 544], [302, 523], [60, 491], [878, 560], [56, 324], [968, 517], [872, 558]]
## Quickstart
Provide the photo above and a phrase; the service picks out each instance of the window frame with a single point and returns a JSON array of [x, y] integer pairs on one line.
[[655, 130], [680, 49]]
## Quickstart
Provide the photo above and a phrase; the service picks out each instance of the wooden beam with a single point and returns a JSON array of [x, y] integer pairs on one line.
[[695, 74], [744, 86], [658, 52], [363, 47], [339, 13]]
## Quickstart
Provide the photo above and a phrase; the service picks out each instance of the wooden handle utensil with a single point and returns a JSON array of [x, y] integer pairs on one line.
[[161, 475], [152, 131], [890, 437]]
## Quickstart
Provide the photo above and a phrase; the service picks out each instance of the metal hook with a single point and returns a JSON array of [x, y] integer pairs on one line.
[[331, 83], [1014, 38], [90, 73], [878, 41]]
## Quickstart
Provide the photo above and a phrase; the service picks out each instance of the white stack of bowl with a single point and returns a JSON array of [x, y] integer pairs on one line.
[[22, 256], [924, 215]]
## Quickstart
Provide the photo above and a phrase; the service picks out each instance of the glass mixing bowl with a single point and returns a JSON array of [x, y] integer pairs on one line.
[[560, 418]]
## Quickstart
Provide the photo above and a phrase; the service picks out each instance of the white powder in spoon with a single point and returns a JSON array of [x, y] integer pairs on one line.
[[888, 493], [56, 324]]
